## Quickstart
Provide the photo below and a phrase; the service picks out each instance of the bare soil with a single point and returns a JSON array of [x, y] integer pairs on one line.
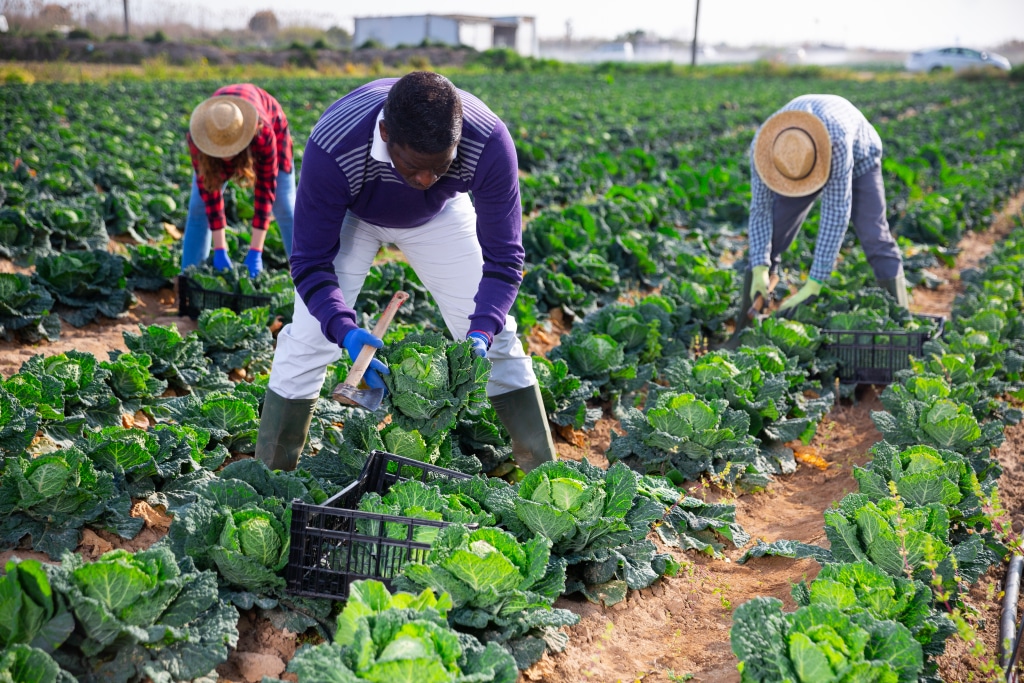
[[679, 626], [102, 335]]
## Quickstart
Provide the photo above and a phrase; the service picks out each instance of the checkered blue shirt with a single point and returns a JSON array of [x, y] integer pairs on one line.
[[856, 149]]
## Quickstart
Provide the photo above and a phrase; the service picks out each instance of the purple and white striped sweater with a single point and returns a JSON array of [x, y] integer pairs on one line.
[[338, 175]]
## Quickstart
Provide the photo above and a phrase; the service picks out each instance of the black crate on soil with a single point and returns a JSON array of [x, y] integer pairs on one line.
[[867, 357], [193, 299], [334, 544]]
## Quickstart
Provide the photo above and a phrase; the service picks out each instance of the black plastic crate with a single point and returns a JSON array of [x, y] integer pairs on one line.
[[334, 544], [193, 299], [868, 357]]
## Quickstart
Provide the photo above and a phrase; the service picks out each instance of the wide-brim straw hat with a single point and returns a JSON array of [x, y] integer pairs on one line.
[[224, 125], [793, 153]]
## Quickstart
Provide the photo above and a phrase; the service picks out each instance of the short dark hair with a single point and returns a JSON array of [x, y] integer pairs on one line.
[[423, 112]]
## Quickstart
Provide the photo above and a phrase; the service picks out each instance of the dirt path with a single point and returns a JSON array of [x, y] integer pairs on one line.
[[974, 247], [681, 624], [100, 336]]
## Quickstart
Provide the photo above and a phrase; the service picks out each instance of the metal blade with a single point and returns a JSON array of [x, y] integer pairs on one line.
[[364, 398]]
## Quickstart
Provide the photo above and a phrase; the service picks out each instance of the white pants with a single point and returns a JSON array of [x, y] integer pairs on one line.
[[446, 256]]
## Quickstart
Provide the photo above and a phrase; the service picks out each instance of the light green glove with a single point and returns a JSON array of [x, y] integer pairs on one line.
[[808, 293], [759, 282]]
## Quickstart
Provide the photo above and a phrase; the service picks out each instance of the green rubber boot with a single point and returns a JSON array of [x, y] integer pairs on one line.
[[284, 425], [897, 286], [522, 413]]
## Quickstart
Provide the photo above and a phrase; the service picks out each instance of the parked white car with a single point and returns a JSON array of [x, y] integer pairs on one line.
[[610, 52], [957, 58]]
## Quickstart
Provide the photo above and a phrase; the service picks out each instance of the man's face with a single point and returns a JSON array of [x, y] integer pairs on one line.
[[417, 169]]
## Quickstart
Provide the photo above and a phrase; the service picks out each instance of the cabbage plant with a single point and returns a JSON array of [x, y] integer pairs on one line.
[[53, 496], [501, 590], [921, 411], [820, 644], [413, 498], [596, 520], [237, 524], [25, 310], [433, 382], [565, 395], [142, 615], [400, 638], [761, 381], [857, 587], [678, 430]]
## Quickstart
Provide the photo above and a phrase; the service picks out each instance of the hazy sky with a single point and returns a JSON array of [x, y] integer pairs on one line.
[[895, 24]]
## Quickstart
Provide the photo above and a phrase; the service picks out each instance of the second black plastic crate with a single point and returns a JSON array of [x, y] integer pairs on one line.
[[869, 357], [334, 544], [193, 299]]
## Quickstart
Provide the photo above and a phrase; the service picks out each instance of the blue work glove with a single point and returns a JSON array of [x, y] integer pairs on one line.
[[221, 260], [481, 342], [353, 343], [254, 262]]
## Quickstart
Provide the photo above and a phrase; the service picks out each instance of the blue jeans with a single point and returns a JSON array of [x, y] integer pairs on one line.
[[197, 240]]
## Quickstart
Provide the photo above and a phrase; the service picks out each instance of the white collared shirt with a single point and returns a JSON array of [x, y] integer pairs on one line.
[[379, 148]]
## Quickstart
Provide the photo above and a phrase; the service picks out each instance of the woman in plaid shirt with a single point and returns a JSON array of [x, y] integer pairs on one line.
[[240, 134]]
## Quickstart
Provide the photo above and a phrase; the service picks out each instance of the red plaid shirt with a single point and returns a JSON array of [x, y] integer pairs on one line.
[[271, 150]]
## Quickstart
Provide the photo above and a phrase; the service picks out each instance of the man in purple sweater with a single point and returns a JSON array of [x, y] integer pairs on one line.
[[395, 162]]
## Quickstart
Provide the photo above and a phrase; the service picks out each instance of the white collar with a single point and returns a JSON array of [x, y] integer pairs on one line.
[[379, 148]]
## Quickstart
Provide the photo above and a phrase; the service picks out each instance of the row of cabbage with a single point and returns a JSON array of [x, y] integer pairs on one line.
[[669, 180], [920, 530]]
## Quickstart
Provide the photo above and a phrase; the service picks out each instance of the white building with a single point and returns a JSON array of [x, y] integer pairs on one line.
[[480, 33]]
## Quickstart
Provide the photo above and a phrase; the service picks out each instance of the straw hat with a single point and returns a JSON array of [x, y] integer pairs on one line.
[[793, 153], [224, 125]]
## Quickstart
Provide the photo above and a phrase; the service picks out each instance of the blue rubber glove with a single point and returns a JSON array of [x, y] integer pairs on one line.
[[481, 342], [221, 260], [254, 262], [353, 343]]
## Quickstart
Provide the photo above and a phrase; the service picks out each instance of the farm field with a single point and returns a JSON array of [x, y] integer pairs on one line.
[[726, 478]]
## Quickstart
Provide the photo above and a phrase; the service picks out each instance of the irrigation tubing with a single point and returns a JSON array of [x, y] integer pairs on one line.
[[1007, 622]]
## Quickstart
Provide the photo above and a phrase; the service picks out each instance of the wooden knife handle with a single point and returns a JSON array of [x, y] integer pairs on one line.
[[355, 375]]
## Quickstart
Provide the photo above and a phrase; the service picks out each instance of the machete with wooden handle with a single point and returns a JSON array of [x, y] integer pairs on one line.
[[349, 391]]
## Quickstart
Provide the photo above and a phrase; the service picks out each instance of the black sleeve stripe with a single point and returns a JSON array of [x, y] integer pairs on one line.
[[504, 278], [316, 288], [317, 269], [510, 266]]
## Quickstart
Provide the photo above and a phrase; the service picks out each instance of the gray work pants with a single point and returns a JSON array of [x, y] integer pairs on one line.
[[867, 215]]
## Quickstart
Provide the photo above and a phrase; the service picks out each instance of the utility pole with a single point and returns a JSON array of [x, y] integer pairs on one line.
[[693, 49], [126, 18]]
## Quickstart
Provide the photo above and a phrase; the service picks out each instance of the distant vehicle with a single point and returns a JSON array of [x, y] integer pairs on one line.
[[956, 58], [610, 52], [796, 55]]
